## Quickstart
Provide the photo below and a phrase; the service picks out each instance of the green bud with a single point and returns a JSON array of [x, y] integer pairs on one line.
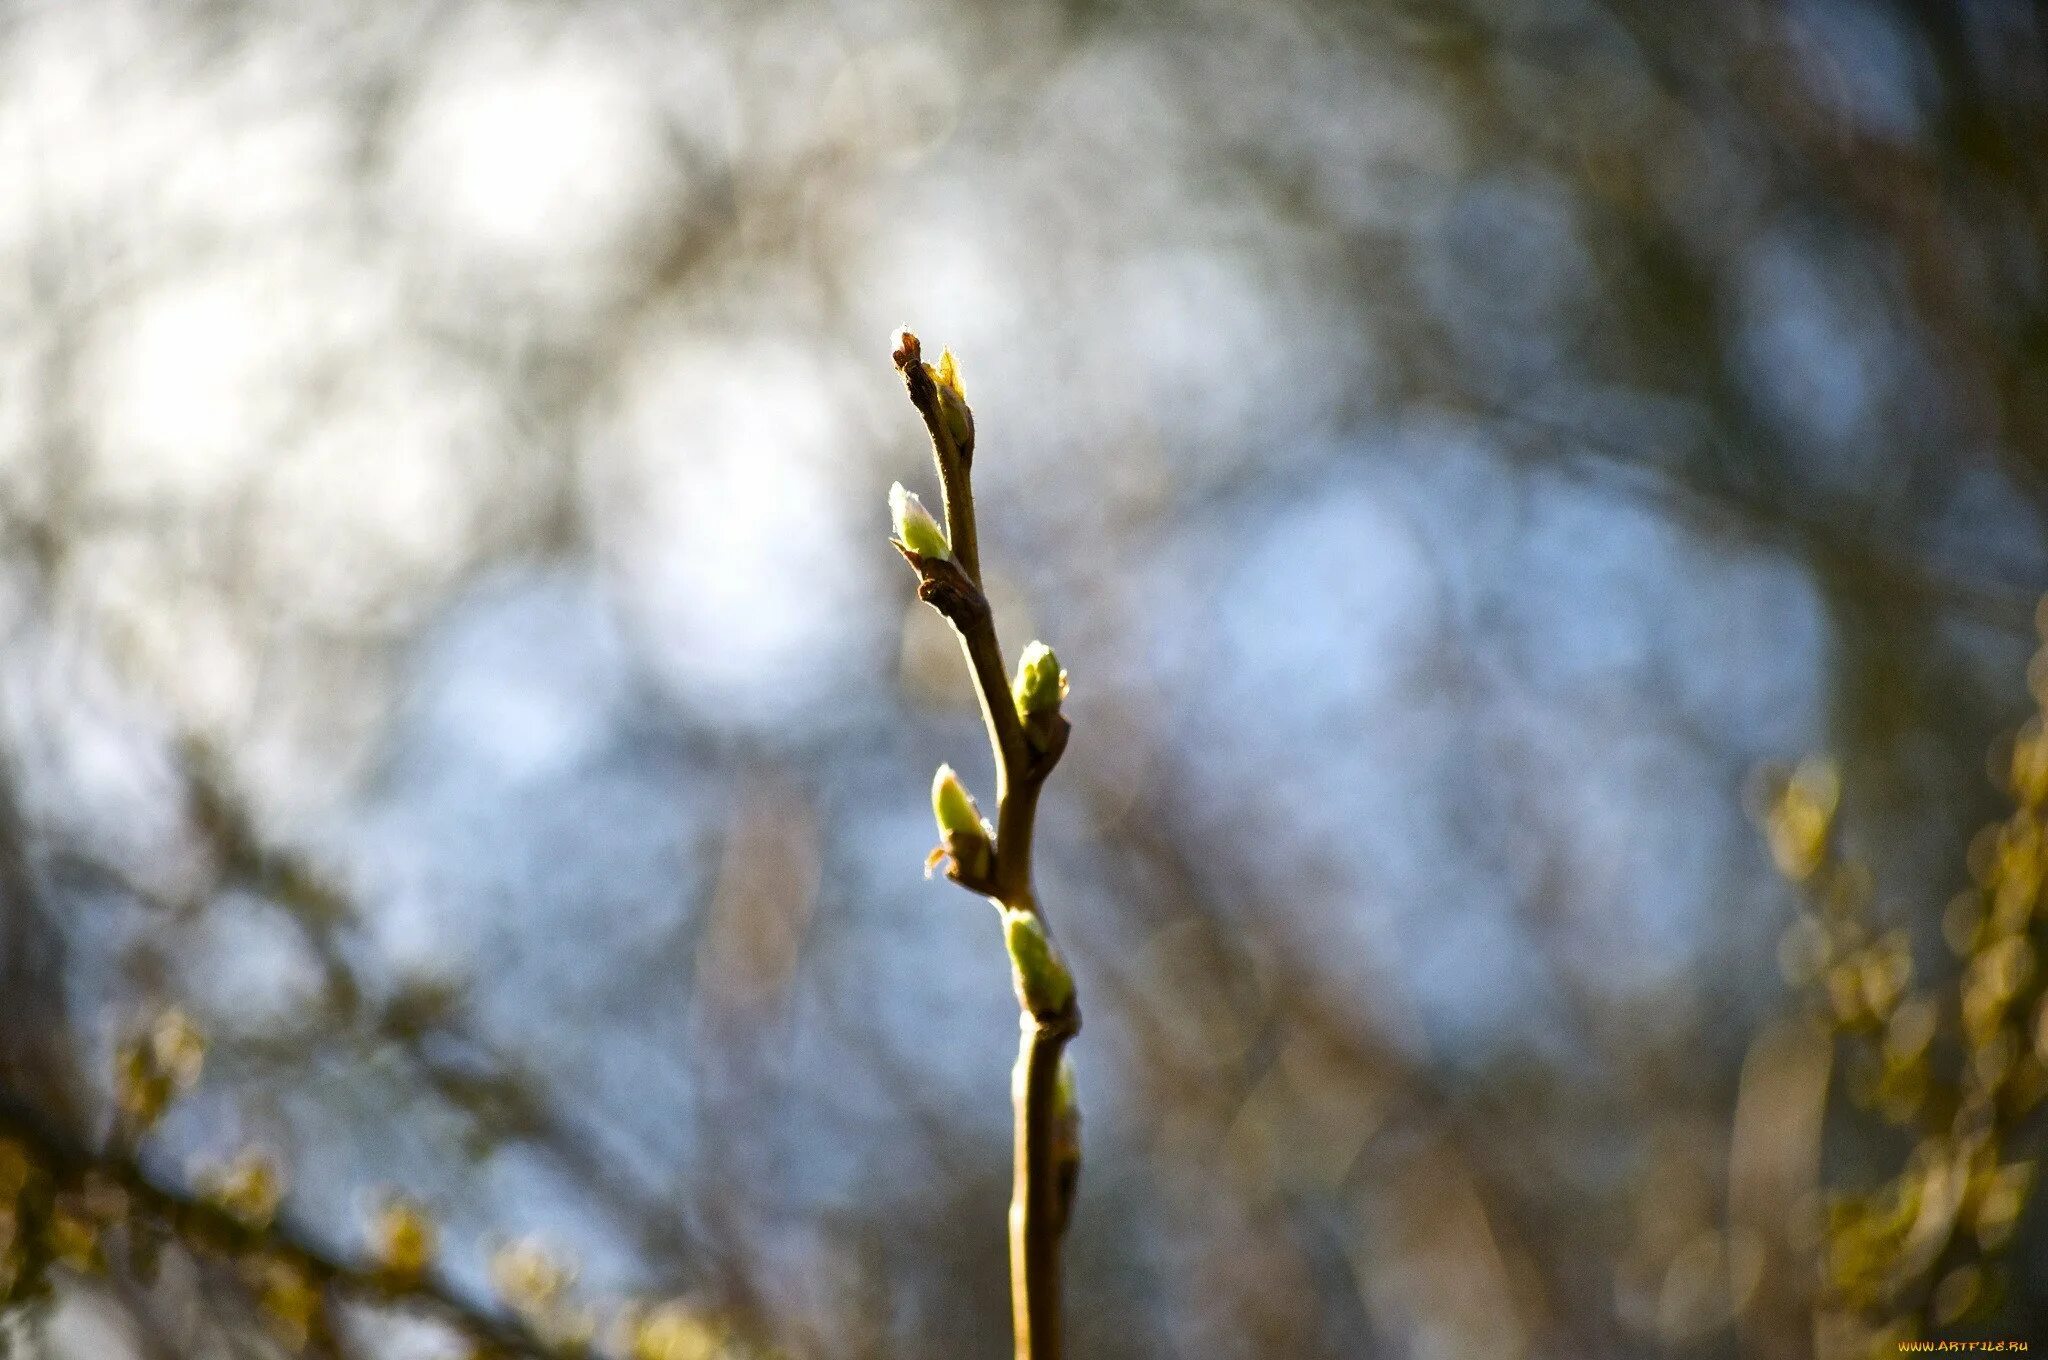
[[1043, 983], [953, 401], [953, 806], [1040, 684], [963, 835], [915, 527]]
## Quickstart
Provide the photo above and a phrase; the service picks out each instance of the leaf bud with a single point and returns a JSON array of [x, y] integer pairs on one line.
[[953, 408], [1043, 983], [1040, 684], [914, 525], [963, 835]]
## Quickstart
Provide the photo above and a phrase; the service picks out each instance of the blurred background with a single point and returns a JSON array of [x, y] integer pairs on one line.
[[450, 654]]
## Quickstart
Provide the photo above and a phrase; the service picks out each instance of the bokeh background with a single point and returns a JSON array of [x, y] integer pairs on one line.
[[449, 648]]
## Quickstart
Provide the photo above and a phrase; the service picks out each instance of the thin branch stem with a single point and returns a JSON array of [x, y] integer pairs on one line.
[[984, 655], [1038, 1210], [1046, 1153]]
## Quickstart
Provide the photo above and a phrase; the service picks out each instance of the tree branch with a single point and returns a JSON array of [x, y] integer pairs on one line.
[[203, 1225], [1027, 734]]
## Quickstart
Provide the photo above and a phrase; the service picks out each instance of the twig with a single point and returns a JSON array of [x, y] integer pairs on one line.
[[1027, 733], [210, 1227]]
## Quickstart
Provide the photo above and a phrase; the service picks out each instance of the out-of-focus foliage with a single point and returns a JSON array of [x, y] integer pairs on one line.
[[449, 657], [1961, 1071]]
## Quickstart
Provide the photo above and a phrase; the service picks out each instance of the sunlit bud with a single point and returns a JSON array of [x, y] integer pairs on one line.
[[142, 1090], [953, 806], [249, 1189], [288, 1299], [1043, 983], [1799, 821], [674, 1331], [915, 527], [529, 1277], [905, 348], [403, 1239], [963, 835], [1040, 684], [154, 1068], [179, 1049], [953, 401]]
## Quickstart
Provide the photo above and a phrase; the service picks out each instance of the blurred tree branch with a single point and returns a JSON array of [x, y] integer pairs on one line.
[[61, 1171], [285, 1269]]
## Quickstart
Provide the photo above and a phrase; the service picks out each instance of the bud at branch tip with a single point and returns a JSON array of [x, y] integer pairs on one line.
[[952, 400]]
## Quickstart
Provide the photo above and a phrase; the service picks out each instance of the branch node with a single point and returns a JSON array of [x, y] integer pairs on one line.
[[944, 586]]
